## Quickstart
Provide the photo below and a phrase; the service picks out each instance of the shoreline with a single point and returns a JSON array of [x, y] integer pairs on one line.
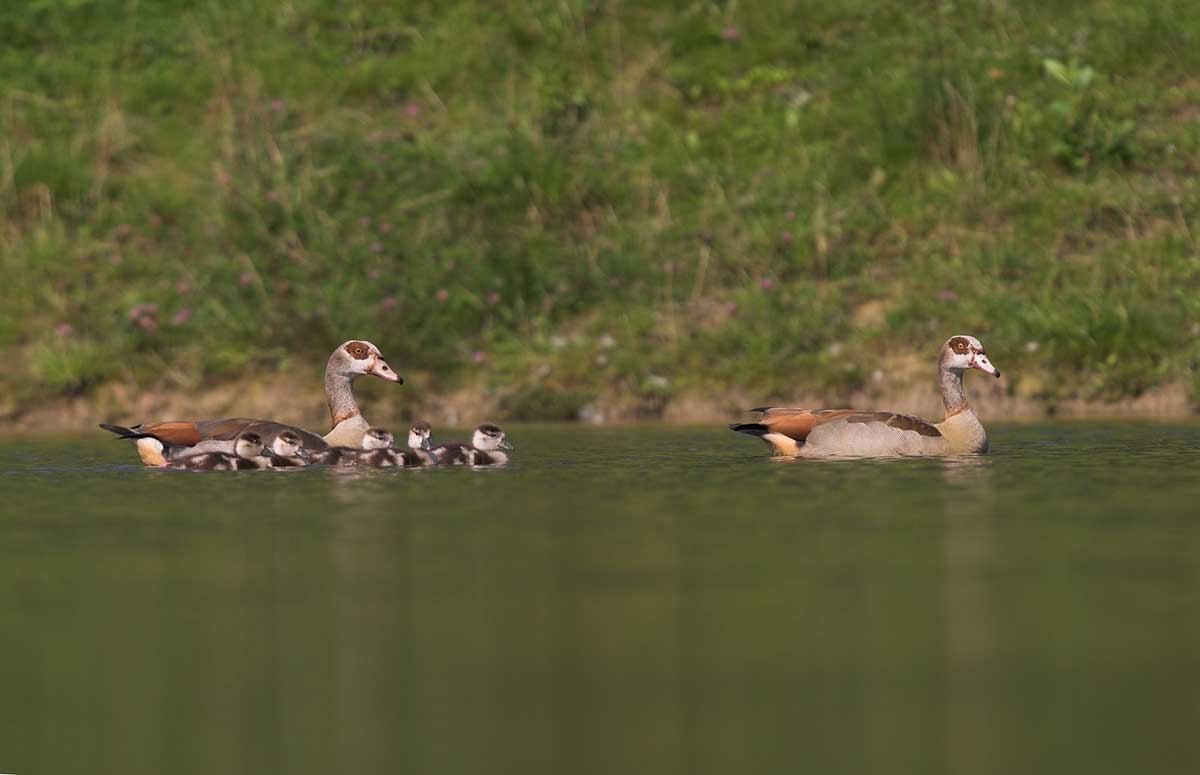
[[276, 397]]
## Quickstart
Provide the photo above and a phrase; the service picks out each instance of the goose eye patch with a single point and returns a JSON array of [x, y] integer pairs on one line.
[[357, 350], [959, 345]]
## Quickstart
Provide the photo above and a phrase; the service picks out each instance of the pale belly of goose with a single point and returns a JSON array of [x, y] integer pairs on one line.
[[841, 438]]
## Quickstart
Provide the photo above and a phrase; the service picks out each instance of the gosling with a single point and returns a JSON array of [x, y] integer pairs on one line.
[[248, 454], [379, 450], [289, 451], [486, 449], [376, 444]]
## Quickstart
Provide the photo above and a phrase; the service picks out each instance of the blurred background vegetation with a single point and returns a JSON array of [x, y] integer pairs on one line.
[[555, 201]]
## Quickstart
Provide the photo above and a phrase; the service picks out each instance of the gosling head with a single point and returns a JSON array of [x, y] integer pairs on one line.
[[377, 438], [489, 438], [248, 445], [420, 436], [962, 352], [289, 445]]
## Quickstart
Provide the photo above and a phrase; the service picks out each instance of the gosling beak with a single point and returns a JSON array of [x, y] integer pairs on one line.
[[304, 454], [427, 444], [505, 444], [981, 362], [382, 370]]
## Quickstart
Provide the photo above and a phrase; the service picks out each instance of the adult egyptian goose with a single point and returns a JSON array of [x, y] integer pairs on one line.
[[347, 363], [849, 432], [485, 449]]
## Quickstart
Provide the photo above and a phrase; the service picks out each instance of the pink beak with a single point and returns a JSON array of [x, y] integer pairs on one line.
[[981, 362], [383, 371]]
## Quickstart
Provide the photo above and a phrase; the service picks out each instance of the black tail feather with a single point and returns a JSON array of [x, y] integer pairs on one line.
[[126, 433], [752, 428], [761, 409], [120, 430]]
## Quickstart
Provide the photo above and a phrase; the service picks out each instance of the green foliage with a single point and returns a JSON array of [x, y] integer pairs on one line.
[[1084, 135], [692, 196]]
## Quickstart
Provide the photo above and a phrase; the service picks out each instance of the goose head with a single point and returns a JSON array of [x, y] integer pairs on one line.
[[420, 436], [377, 438], [489, 438], [289, 445], [963, 352], [248, 446], [358, 357]]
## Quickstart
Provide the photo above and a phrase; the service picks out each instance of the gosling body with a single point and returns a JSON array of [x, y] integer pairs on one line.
[[487, 448], [249, 454]]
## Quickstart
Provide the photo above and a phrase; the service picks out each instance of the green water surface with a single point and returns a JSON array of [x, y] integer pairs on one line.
[[630, 600]]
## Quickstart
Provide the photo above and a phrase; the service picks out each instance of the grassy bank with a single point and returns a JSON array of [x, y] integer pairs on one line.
[[551, 203]]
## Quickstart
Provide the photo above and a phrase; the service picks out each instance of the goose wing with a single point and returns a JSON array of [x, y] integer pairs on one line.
[[797, 424], [902, 422], [189, 433]]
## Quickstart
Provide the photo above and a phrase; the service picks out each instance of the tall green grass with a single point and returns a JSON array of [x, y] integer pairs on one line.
[[559, 199]]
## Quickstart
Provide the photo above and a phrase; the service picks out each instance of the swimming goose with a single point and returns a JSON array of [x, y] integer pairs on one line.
[[485, 449], [347, 363], [248, 454], [849, 432]]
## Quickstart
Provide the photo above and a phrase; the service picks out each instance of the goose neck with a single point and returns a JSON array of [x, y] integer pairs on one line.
[[953, 397], [339, 389]]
